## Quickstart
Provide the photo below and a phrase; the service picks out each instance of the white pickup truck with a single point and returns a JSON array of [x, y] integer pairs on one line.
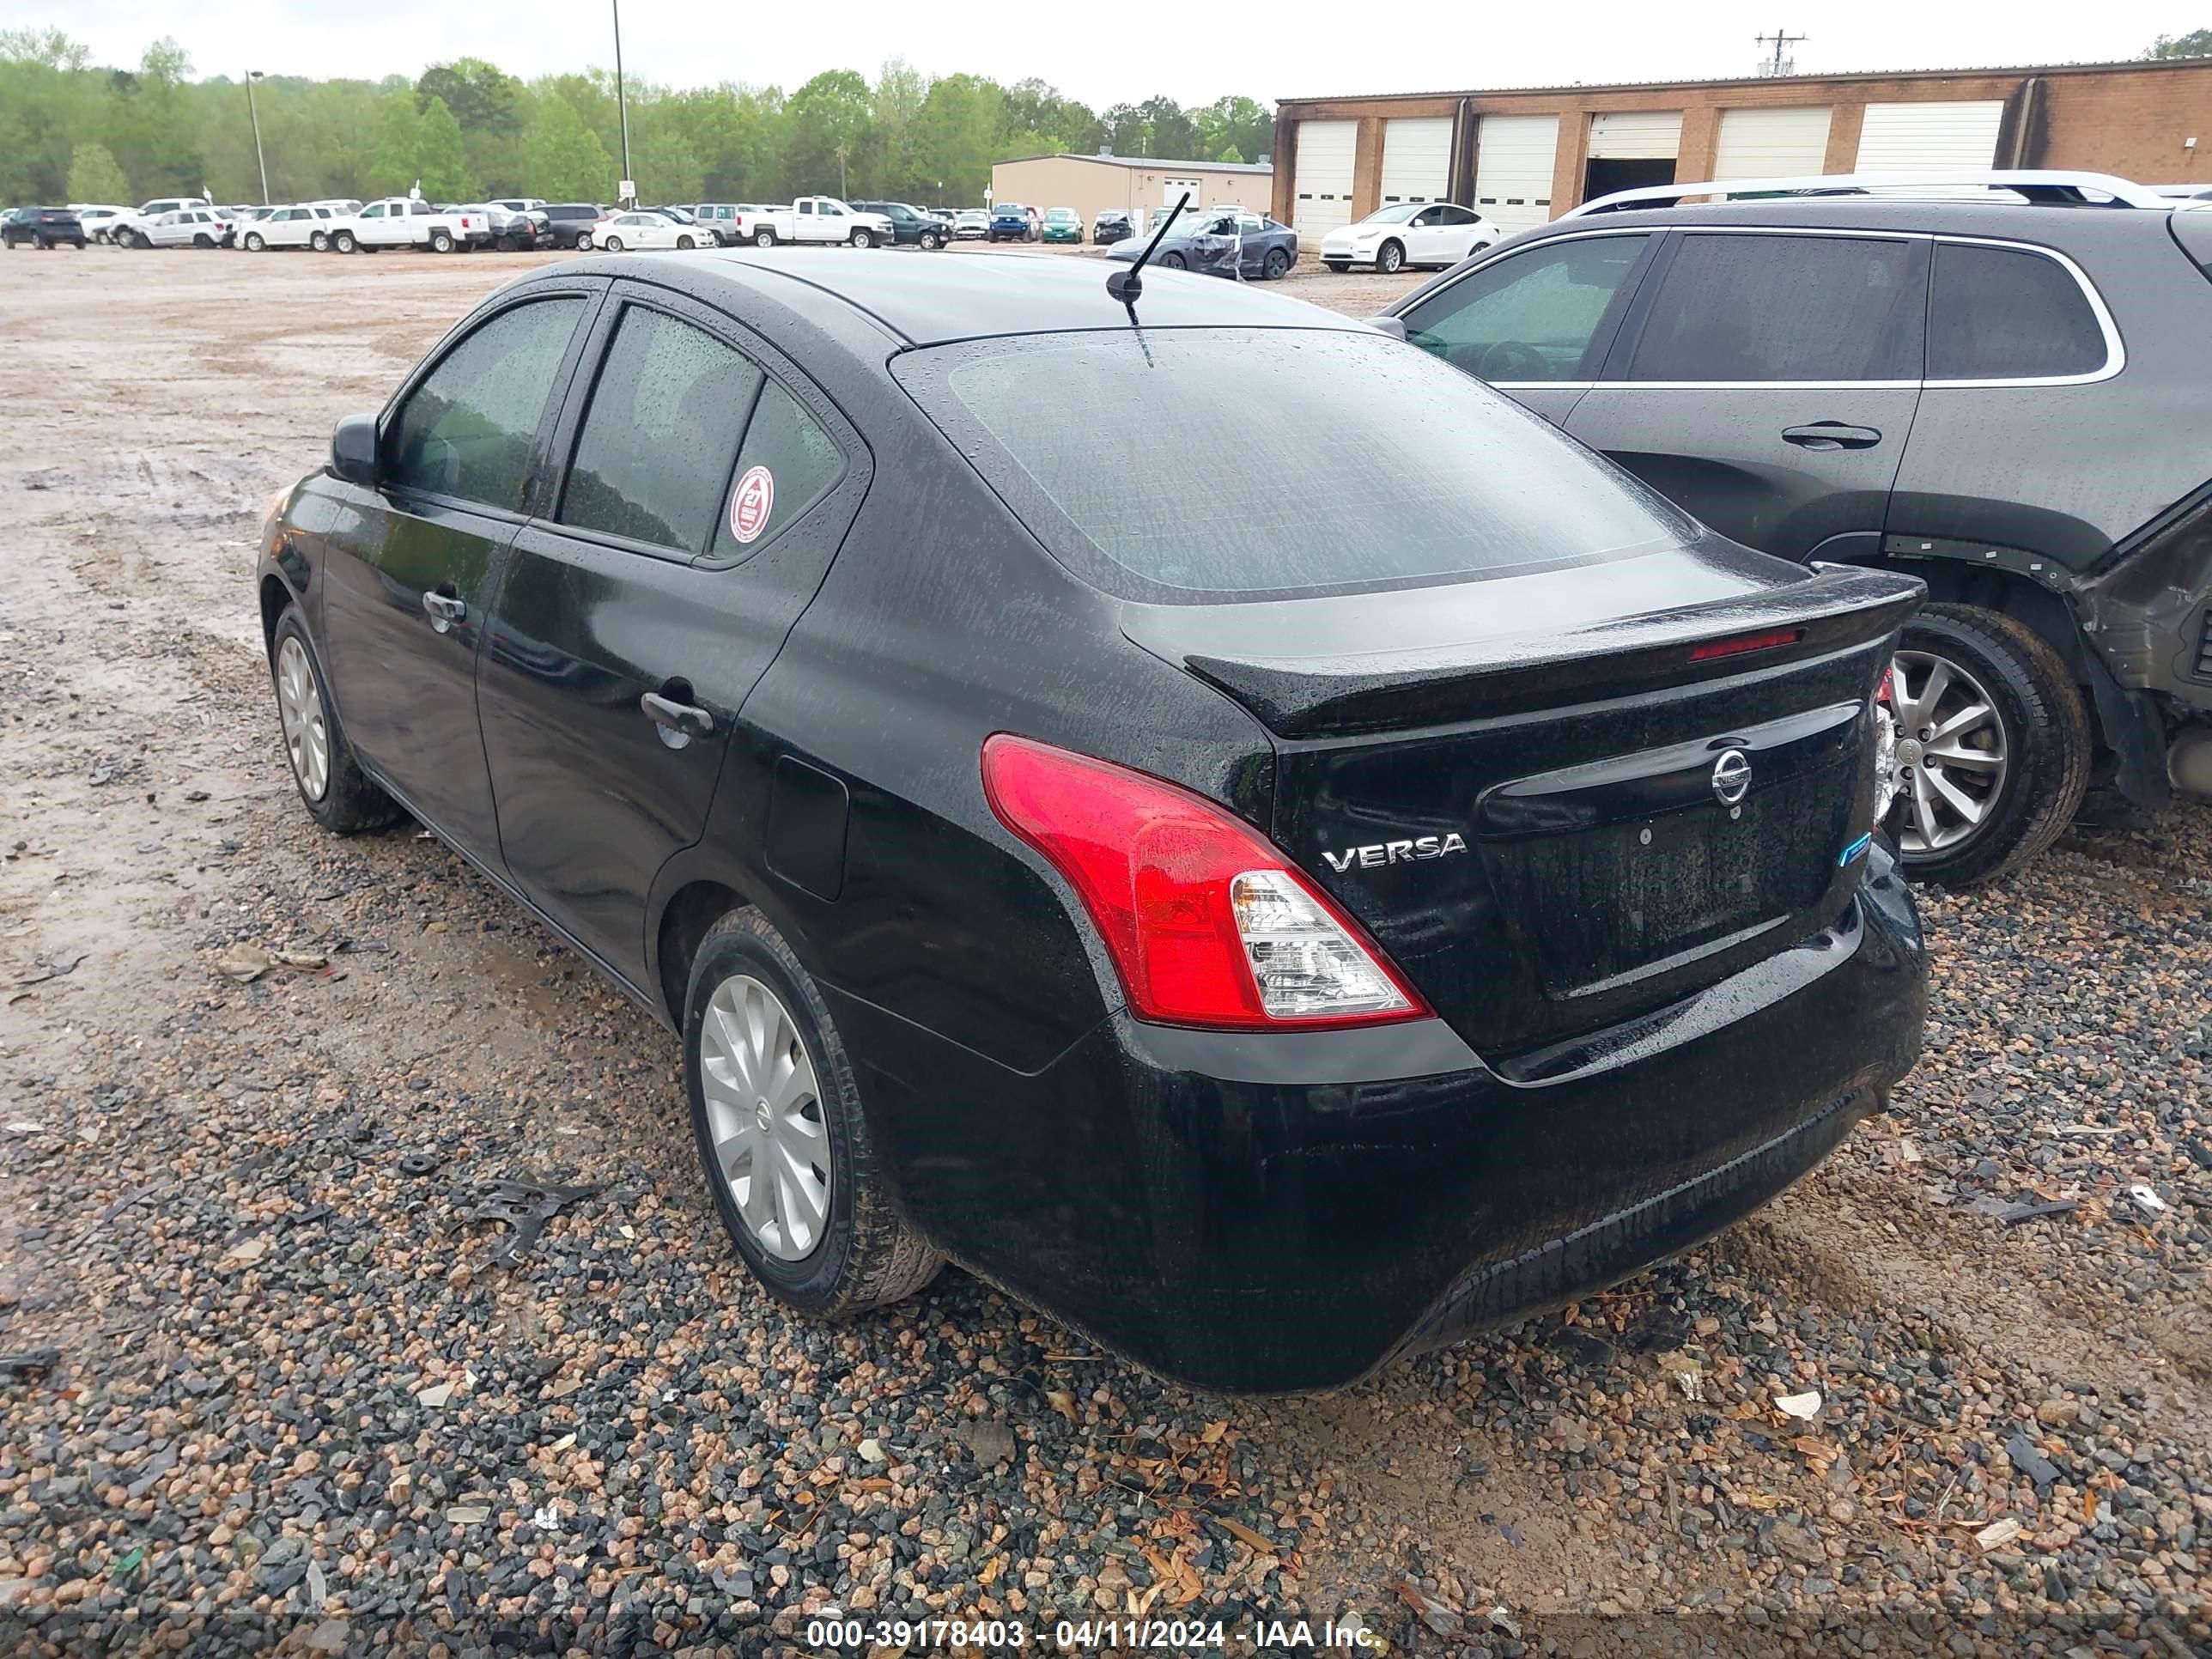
[[405, 221], [815, 219]]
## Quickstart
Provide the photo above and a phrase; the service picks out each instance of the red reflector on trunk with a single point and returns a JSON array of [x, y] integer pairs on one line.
[[1743, 642]]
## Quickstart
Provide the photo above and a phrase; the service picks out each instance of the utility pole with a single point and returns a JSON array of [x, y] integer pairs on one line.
[[840, 152], [252, 76], [622, 103], [1780, 42]]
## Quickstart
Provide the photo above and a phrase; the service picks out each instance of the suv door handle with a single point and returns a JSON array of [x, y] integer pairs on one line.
[[445, 608], [679, 722], [1831, 434]]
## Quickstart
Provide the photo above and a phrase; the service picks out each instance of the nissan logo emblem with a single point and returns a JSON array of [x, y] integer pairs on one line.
[[1731, 777]]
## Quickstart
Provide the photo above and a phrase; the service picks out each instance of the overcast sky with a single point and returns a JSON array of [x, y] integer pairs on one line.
[[1105, 54]]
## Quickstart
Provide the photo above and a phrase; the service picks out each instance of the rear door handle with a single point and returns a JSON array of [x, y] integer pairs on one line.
[[443, 610], [679, 722], [1831, 434]]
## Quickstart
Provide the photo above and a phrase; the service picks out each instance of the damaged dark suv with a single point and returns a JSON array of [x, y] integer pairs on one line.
[[2005, 399]]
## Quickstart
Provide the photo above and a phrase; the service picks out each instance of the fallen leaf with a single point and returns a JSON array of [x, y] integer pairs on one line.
[[1805, 1407], [1061, 1402], [1244, 1534], [1213, 1432], [1818, 1451]]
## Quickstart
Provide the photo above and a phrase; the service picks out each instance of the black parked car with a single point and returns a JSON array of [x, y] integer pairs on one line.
[[572, 224], [1112, 225], [1424, 886], [1219, 241], [2005, 400], [41, 227], [911, 227]]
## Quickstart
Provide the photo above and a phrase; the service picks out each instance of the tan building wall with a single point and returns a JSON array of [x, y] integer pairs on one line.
[[1090, 185], [2124, 119]]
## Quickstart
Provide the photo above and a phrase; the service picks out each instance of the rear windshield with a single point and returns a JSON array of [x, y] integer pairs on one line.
[[1191, 465]]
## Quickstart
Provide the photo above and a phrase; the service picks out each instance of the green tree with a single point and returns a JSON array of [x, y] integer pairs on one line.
[[47, 98], [1170, 130], [2197, 43], [94, 176], [441, 158], [956, 135], [154, 128], [1234, 124], [395, 163], [567, 161], [828, 114]]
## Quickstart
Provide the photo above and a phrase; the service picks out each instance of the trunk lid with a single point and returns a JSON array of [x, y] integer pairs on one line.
[[1559, 800]]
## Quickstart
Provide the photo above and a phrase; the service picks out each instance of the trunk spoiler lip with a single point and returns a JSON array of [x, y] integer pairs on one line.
[[1838, 607]]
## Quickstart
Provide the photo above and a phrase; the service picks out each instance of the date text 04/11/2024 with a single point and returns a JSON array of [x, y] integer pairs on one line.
[[1076, 1635]]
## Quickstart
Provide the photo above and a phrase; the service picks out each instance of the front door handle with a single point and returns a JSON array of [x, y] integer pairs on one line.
[[1831, 434], [679, 722], [445, 609]]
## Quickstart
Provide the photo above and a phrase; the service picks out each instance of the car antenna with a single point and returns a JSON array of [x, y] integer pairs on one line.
[[1126, 285]]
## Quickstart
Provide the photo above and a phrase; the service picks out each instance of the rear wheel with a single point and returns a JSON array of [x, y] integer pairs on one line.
[[442, 241], [613, 244], [782, 1136], [1174, 262], [763, 237], [583, 241], [318, 242], [203, 239], [337, 793], [1993, 744], [1391, 258], [1278, 264]]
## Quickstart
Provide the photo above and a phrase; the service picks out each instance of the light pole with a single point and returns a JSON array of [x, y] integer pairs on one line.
[[622, 103], [252, 76]]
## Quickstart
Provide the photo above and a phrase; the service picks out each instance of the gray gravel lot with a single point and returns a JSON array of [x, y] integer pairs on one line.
[[265, 1384]]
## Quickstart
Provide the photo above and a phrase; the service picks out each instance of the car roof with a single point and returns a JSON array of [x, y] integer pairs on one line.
[[2026, 221], [982, 295]]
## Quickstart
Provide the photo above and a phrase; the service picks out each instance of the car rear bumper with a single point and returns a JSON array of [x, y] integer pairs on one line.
[[1284, 1211]]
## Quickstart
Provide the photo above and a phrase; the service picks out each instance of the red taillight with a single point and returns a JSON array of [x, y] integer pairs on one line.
[[1743, 642], [1207, 923]]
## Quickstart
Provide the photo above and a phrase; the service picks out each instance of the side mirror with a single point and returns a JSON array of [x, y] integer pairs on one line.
[[1392, 326], [353, 451]]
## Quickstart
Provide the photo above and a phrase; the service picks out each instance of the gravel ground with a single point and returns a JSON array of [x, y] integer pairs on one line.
[[268, 1383]]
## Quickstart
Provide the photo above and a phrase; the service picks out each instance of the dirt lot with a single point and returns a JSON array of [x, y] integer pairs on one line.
[[294, 1401]]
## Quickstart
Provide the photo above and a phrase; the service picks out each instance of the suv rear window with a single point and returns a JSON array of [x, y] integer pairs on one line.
[[1820, 309], [2003, 314], [1182, 465]]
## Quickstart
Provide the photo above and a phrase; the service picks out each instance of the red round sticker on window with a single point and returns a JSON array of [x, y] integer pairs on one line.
[[751, 502]]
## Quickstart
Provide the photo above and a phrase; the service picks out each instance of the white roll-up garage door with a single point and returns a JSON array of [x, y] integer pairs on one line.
[[1323, 179], [1922, 138], [1416, 160], [1770, 144], [1636, 136], [1513, 160]]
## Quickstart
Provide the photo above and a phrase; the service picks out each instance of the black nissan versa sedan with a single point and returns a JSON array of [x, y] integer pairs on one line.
[[1429, 883]]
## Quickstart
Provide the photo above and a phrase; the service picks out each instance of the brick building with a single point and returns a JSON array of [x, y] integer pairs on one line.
[[1522, 155]]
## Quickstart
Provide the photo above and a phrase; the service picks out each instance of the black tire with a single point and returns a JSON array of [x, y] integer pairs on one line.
[[203, 239], [442, 241], [764, 237], [2046, 731], [344, 241], [318, 242], [863, 237], [253, 242], [931, 241], [1391, 258], [1277, 266], [584, 241], [1174, 262], [78, 245], [351, 802], [685, 243], [866, 1257], [1339, 267], [612, 243]]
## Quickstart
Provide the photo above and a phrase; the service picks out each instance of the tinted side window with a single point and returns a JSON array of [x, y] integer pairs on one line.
[[1532, 316], [1998, 313], [652, 461], [802, 462], [1820, 308], [467, 430]]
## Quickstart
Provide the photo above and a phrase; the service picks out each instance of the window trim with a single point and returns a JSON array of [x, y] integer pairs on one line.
[[2115, 347], [2116, 351], [592, 292]]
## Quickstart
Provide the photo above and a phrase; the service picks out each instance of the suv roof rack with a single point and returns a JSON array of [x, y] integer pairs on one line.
[[2038, 185]]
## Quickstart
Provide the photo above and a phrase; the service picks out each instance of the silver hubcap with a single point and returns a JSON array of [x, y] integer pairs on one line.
[[764, 1117], [300, 709], [1952, 753]]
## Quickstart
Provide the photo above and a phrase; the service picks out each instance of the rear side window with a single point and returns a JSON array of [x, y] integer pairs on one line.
[[1209, 463], [466, 430], [800, 462], [652, 461], [1530, 317], [2003, 314], [1807, 308]]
